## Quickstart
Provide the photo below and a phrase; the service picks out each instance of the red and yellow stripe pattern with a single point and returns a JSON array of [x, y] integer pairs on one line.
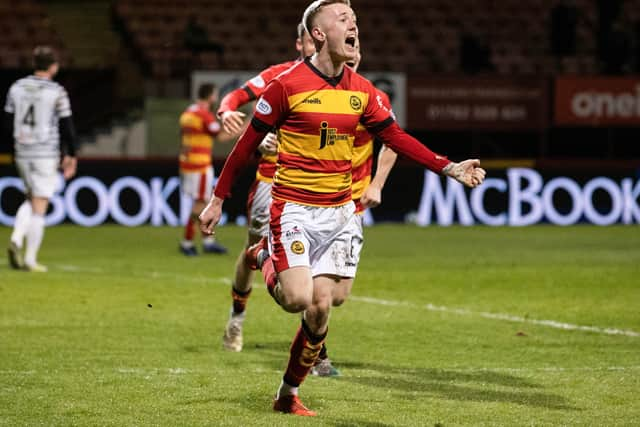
[[196, 141]]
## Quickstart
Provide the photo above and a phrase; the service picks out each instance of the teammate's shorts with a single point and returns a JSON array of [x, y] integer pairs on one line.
[[326, 239], [40, 176], [258, 205], [197, 185]]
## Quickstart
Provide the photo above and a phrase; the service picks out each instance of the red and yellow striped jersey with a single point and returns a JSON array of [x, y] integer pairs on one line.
[[198, 126], [317, 119], [362, 162], [251, 90]]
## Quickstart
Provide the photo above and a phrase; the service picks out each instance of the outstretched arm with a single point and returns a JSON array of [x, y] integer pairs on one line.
[[372, 196], [467, 172]]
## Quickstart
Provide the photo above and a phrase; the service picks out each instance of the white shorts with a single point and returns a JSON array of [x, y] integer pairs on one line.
[[258, 205], [40, 176], [197, 185], [326, 239]]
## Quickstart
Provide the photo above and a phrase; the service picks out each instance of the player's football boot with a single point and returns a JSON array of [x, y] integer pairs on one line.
[[291, 404], [253, 255], [324, 368], [232, 338], [213, 248], [35, 268], [16, 259], [188, 250]]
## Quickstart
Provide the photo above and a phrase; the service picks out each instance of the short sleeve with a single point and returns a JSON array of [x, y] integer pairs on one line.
[[257, 85], [63, 105], [272, 107], [10, 105]]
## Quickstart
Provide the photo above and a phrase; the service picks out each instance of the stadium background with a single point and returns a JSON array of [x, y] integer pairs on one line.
[[548, 85], [464, 326]]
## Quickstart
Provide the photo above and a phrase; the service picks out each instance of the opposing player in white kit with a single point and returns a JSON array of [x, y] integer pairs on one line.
[[38, 115]]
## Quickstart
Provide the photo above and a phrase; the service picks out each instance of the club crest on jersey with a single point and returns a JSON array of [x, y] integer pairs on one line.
[[297, 247], [263, 107], [355, 102]]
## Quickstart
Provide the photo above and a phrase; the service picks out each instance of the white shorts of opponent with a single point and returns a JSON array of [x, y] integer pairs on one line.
[[258, 205], [326, 239], [197, 185], [40, 176]]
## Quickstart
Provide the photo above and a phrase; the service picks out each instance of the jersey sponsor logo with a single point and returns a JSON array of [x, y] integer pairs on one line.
[[355, 103], [295, 231], [329, 136], [297, 247], [263, 107], [257, 81], [312, 101]]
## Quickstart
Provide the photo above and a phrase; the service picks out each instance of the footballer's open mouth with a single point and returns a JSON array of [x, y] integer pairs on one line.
[[351, 41]]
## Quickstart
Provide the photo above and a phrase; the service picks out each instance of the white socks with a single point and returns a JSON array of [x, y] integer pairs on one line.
[[35, 232], [209, 240], [285, 390], [23, 218]]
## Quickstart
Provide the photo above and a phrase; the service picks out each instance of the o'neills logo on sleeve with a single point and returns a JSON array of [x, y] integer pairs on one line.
[[263, 107], [597, 101]]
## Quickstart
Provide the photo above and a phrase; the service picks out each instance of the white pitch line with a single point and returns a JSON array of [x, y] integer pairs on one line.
[[430, 307], [500, 316]]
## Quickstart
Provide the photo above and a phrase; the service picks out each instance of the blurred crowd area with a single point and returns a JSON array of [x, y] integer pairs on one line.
[[172, 37]]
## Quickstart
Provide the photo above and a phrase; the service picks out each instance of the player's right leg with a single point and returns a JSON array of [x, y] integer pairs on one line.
[[191, 185], [35, 234], [240, 291], [41, 179], [20, 227], [258, 204]]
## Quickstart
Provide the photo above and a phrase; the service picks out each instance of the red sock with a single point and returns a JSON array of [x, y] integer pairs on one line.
[[303, 353], [269, 274], [239, 300], [189, 229]]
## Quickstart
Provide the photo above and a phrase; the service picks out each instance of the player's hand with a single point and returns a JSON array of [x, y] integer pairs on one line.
[[372, 197], [232, 121], [210, 215], [269, 144], [467, 172], [69, 165]]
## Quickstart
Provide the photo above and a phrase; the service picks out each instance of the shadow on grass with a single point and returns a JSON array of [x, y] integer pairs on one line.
[[448, 385], [443, 375]]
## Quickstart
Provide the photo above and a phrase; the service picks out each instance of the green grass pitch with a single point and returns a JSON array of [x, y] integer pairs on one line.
[[475, 326]]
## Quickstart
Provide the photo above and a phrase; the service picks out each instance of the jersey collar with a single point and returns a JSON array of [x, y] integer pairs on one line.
[[333, 81]]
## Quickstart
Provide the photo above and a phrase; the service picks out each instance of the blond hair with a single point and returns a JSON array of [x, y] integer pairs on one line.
[[314, 8]]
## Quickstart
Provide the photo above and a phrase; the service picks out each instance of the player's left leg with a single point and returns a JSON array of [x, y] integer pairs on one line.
[[205, 189], [305, 348]]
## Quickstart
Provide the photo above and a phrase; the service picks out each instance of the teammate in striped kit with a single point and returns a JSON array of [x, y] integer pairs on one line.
[[259, 200], [315, 240], [198, 127], [38, 116]]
